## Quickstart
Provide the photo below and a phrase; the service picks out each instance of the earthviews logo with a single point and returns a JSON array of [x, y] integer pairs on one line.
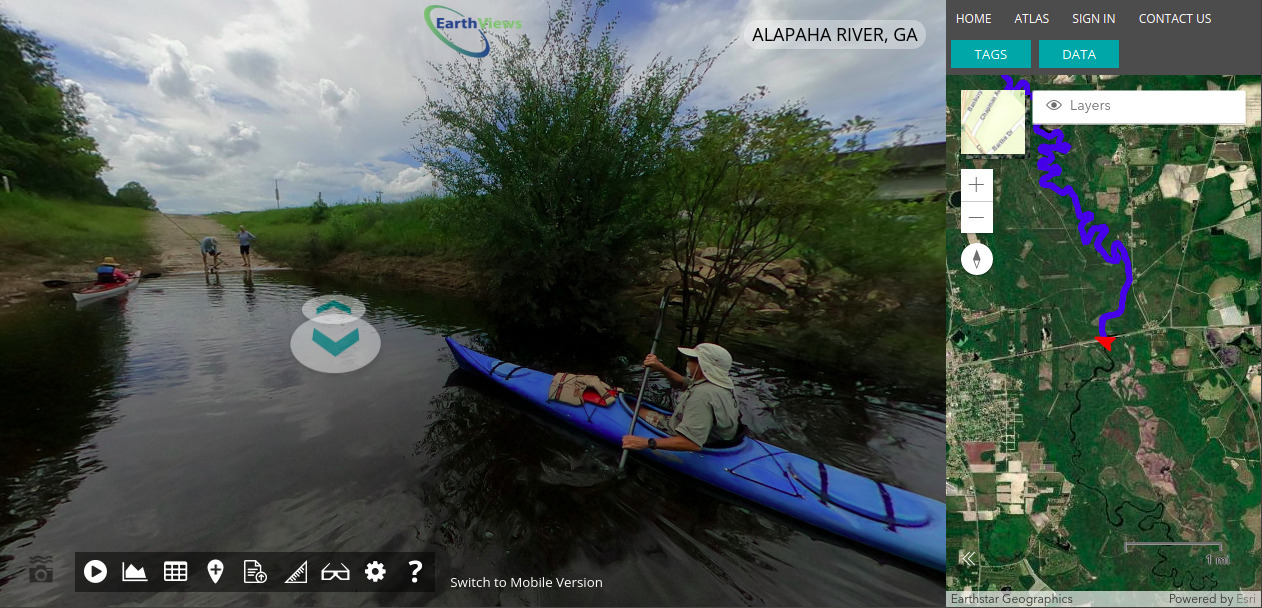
[[444, 26]]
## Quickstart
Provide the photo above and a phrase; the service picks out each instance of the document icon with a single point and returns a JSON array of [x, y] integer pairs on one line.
[[254, 572]]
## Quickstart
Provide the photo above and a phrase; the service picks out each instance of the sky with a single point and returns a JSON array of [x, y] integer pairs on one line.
[[208, 105]]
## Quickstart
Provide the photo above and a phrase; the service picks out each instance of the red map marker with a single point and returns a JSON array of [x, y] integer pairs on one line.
[[1107, 343]]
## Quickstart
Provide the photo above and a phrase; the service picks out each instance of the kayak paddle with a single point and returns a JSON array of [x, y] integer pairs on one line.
[[644, 380], [60, 283]]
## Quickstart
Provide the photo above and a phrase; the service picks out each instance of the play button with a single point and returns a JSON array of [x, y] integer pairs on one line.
[[95, 571]]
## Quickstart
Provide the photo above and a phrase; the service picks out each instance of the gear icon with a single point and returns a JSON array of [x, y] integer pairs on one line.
[[375, 572]]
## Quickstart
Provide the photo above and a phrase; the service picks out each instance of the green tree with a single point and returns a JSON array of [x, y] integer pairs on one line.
[[43, 132], [132, 194], [553, 149], [858, 128], [752, 183]]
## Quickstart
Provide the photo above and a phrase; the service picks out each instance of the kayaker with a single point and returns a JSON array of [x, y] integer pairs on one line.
[[706, 412], [245, 238], [210, 246], [109, 272]]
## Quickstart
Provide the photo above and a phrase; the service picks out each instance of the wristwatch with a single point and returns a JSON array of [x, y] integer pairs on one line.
[[652, 443]]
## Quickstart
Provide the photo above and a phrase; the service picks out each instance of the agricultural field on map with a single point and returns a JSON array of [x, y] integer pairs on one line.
[[1061, 452]]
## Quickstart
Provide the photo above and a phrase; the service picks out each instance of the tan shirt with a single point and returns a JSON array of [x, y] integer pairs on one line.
[[706, 412]]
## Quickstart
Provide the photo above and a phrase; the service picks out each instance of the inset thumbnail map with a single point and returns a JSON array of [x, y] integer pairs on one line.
[[992, 122]]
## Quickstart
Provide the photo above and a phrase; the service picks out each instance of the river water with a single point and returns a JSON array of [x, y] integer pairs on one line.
[[177, 419]]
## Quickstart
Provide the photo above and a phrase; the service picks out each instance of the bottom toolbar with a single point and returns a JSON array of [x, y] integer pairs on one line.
[[265, 572]]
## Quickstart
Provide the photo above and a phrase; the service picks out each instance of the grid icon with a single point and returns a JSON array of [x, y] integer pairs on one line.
[[175, 571]]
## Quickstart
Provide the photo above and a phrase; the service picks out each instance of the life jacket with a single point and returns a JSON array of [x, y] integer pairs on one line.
[[579, 389], [105, 274]]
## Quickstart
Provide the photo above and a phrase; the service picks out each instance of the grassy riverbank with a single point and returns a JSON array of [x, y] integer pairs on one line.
[[43, 238], [311, 236], [37, 230]]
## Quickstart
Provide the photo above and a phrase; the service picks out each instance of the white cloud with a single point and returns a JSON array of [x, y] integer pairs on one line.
[[894, 87], [407, 182], [328, 84], [176, 77], [255, 45], [240, 139], [144, 148], [306, 172], [337, 104], [170, 155], [255, 65]]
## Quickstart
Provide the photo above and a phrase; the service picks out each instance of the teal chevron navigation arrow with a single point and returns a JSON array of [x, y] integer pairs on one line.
[[335, 339], [335, 347], [334, 304]]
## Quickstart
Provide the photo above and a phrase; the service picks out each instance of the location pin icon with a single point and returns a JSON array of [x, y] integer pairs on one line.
[[215, 568]]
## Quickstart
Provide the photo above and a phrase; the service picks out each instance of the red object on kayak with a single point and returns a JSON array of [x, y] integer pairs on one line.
[[867, 511], [107, 290]]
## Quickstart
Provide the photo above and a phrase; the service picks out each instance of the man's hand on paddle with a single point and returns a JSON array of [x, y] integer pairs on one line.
[[654, 364], [677, 443], [633, 442]]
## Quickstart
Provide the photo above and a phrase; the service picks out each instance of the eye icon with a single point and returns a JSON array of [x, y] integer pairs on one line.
[[1053, 105]]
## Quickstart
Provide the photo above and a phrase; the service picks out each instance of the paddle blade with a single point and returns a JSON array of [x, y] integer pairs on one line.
[[55, 283], [151, 275]]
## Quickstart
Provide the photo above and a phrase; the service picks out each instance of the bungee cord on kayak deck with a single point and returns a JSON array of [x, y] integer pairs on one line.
[[865, 510]]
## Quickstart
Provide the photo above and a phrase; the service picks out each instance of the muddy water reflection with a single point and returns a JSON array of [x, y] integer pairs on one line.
[[178, 420]]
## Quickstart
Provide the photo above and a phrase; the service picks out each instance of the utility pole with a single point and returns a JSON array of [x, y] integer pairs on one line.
[[378, 196], [278, 194]]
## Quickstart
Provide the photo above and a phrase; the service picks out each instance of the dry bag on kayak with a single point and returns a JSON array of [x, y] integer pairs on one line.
[[579, 389]]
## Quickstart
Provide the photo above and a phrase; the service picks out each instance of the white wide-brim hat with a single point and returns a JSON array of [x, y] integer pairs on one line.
[[715, 362]]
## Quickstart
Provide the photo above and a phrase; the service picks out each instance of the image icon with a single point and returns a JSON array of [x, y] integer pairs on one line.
[[134, 574], [40, 571]]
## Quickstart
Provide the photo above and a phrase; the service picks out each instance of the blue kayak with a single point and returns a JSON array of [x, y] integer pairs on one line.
[[899, 522]]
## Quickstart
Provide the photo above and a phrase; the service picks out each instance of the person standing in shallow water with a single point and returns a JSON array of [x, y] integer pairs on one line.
[[245, 237], [210, 247]]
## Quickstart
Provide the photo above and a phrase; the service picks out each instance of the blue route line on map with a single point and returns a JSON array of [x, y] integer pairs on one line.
[[1093, 235]]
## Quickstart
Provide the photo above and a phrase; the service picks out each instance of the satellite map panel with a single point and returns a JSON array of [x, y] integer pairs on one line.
[[1103, 371]]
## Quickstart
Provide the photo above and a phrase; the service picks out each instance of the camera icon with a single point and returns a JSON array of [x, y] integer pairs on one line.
[[40, 570]]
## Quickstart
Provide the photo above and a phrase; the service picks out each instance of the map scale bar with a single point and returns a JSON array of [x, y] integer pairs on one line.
[[1128, 545]]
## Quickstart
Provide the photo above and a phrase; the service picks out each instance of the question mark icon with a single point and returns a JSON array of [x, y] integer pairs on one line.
[[415, 570]]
